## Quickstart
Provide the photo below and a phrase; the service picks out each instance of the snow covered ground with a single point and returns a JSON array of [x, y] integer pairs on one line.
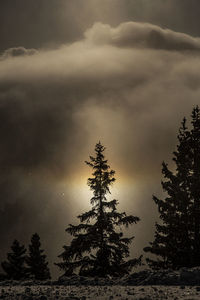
[[146, 285], [99, 292]]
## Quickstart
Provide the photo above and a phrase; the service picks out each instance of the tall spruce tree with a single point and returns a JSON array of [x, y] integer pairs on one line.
[[15, 267], [97, 247], [177, 239], [36, 260]]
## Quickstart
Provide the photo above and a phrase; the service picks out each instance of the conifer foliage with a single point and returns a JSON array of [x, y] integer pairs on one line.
[[177, 238], [36, 260], [14, 267], [97, 247]]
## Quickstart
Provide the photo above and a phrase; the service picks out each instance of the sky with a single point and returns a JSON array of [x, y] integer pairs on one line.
[[76, 72]]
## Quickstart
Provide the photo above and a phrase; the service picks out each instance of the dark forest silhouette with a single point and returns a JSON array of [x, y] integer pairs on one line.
[[177, 238], [20, 266], [98, 247]]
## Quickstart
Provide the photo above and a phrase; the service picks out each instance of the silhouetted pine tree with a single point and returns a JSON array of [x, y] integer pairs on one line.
[[14, 267], [36, 260], [177, 239], [97, 247]]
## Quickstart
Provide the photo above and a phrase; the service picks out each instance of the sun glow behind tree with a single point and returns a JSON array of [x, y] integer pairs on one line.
[[98, 246]]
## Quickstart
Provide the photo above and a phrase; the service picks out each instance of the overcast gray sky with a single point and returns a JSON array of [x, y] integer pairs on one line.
[[76, 72]]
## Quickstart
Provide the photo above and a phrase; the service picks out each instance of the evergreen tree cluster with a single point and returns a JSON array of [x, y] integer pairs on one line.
[[177, 238], [19, 265]]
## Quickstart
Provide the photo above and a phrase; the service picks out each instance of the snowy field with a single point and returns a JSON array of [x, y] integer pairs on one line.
[[99, 292], [143, 285]]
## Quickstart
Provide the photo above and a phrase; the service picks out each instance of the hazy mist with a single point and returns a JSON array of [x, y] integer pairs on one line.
[[76, 72]]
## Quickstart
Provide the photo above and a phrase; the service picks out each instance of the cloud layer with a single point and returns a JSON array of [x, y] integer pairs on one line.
[[17, 51], [141, 35], [128, 86]]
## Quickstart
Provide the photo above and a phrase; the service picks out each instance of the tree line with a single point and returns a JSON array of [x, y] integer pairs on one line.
[[99, 247], [20, 266], [177, 238]]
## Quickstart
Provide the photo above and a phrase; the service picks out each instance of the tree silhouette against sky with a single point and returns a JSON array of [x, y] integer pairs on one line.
[[177, 238], [97, 247], [36, 260], [14, 266]]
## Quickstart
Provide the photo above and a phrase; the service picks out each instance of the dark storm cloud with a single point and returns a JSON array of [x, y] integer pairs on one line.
[[56, 104]]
